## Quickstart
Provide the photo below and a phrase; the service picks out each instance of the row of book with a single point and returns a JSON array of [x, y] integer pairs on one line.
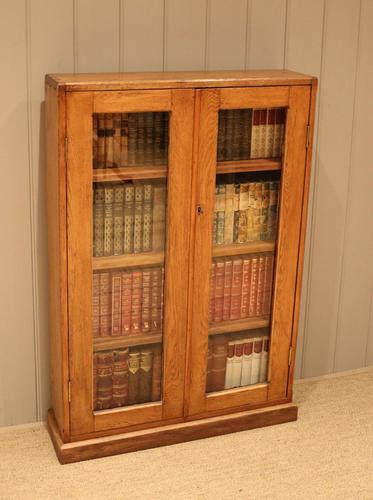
[[130, 139], [241, 287], [237, 362], [250, 133], [127, 302], [126, 376], [128, 217], [245, 211]]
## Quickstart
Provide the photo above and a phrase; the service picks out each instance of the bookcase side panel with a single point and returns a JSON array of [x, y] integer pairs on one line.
[[57, 257]]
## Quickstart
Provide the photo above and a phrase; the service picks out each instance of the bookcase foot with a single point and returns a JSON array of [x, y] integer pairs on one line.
[[168, 434]]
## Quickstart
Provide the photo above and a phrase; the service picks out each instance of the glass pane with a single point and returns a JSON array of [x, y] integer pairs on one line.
[[129, 234]]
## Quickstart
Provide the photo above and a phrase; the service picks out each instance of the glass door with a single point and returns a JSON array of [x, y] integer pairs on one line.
[[130, 172], [250, 173]]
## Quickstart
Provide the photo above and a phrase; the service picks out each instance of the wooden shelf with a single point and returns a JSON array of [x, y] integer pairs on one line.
[[132, 260], [129, 173], [256, 165], [238, 325], [101, 344], [243, 248]]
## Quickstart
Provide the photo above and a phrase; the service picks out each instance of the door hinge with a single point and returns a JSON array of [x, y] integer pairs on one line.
[[308, 138], [291, 350], [69, 391]]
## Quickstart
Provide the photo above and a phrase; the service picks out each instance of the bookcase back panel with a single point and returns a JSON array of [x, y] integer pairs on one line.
[[131, 175]]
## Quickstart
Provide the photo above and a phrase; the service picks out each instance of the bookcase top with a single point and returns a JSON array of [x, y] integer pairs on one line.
[[176, 79]]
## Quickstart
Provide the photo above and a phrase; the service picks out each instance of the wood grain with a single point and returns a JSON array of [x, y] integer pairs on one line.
[[131, 260], [238, 325], [268, 97], [131, 101], [102, 343], [243, 248], [226, 167], [130, 173]]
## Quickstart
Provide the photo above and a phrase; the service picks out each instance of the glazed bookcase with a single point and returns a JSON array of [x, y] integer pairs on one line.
[[177, 206]]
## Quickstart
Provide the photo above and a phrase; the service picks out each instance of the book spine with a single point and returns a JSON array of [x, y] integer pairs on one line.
[[221, 135], [219, 356], [260, 286], [220, 214], [246, 133], [257, 212], [98, 221], [250, 212], [124, 139], [156, 281], [228, 384], [236, 134], [227, 289], [147, 218], [247, 362], [138, 218], [94, 140], [282, 128], [149, 141], [116, 287], [228, 143], [96, 305], [101, 141], [229, 214], [270, 133], [256, 356], [237, 363], [209, 366], [236, 212], [161, 295], [265, 210], [244, 205], [105, 304], [255, 135], [109, 140], [245, 288], [136, 301], [253, 286], [159, 217], [140, 139], [158, 129], [116, 139], [120, 377], [145, 376], [105, 363], [262, 132], [118, 219], [133, 376], [126, 305], [268, 278], [235, 312], [264, 360], [157, 373], [128, 218], [219, 290], [212, 292], [95, 381], [272, 210], [146, 301], [108, 220], [132, 137], [165, 134]]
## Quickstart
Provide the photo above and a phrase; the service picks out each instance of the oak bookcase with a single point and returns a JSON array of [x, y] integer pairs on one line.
[[177, 207]]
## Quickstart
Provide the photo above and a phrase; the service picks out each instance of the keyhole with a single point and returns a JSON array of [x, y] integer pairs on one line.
[[199, 210]]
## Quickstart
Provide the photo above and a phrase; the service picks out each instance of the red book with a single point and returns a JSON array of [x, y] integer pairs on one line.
[[219, 360], [227, 289], [156, 299], [212, 292], [136, 302], [105, 304], [104, 368], [219, 290], [146, 300], [245, 289], [260, 287], [236, 288], [116, 294], [126, 302], [253, 286], [96, 305], [120, 377], [268, 278]]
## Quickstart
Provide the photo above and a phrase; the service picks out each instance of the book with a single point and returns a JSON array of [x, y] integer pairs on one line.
[[219, 290], [157, 373], [235, 309], [128, 217], [228, 142], [229, 214], [246, 133], [268, 278], [264, 360], [96, 305], [253, 286], [126, 306], [98, 220], [260, 286], [146, 301], [236, 212], [156, 283], [245, 287], [136, 301], [120, 377], [140, 139], [116, 139], [237, 363], [209, 366], [262, 132], [228, 384], [118, 219], [270, 132], [138, 218], [227, 289], [108, 219], [256, 357], [109, 140], [257, 211], [94, 140], [251, 212], [264, 211], [101, 140], [219, 355], [116, 304], [236, 134], [247, 362], [123, 139], [149, 140], [159, 216], [272, 210], [220, 213], [221, 154], [95, 380], [255, 134], [243, 212], [104, 380], [132, 135], [212, 292], [133, 376], [278, 132], [145, 376], [105, 304], [147, 218]]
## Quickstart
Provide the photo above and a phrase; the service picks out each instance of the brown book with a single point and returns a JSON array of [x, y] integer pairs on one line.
[[245, 287], [236, 212], [140, 139], [116, 139], [101, 140], [219, 290], [228, 143], [227, 289], [132, 132], [120, 377], [264, 211], [136, 301], [105, 304], [145, 376], [146, 301], [270, 133], [147, 235], [133, 376], [246, 133], [272, 210], [126, 304], [253, 286], [268, 278], [219, 358], [118, 205], [209, 366], [95, 380], [165, 134], [235, 312], [98, 220], [116, 303], [96, 305], [255, 134], [108, 220], [124, 140], [159, 216], [156, 283], [105, 363], [94, 140], [109, 140], [128, 218], [257, 212], [138, 218], [262, 132], [158, 157], [260, 286], [149, 141], [157, 373], [212, 292], [221, 135], [236, 134], [244, 206]]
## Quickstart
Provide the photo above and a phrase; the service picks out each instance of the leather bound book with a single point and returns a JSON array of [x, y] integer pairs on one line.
[[235, 312], [237, 363], [262, 132], [132, 137], [253, 286], [120, 377], [245, 287], [108, 220], [229, 214], [244, 206], [219, 290], [273, 210], [246, 133], [264, 360], [159, 216], [268, 279], [278, 135], [236, 212], [116, 303], [264, 211], [128, 217], [255, 134], [220, 213], [260, 287], [257, 218], [270, 133], [140, 139], [126, 305], [236, 134], [124, 139], [228, 264], [282, 128], [101, 141], [221, 135], [105, 304], [256, 356], [248, 346], [209, 366], [96, 305], [212, 293], [162, 298], [219, 359], [165, 134], [136, 301], [250, 212], [105, 361], [109, 140], [146, 301], [118, 219], [133, 376], [145, 376], [149, 141], [98, 220], [157, 373], [156, 282], [229, 366], [138, 218], [94, 140], [95, 379], [228, 143], [158, 156], [147, 218], [116, 139]]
